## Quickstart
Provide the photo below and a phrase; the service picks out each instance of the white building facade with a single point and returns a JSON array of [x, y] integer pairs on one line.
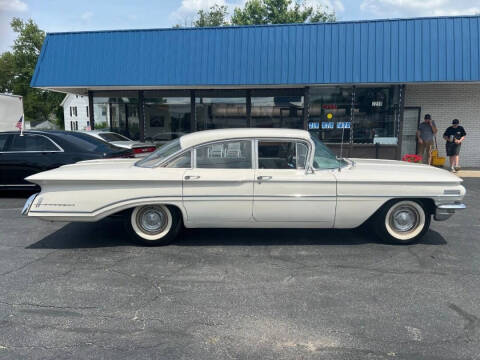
[[76, 112]]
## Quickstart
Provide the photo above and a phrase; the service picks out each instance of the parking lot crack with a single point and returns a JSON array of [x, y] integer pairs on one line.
[[472, 322], [28, 264], [49, 306]]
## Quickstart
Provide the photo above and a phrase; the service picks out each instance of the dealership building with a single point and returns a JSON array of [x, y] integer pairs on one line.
[[364, 83]]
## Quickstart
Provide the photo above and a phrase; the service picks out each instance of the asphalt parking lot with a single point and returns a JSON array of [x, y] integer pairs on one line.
[[83, 291]]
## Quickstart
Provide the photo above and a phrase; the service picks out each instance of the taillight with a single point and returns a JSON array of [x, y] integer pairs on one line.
[[143, 150]]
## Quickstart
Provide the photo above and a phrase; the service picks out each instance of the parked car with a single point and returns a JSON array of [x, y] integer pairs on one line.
[[36, 151], [139, 149], [252, 178], [162, 138]]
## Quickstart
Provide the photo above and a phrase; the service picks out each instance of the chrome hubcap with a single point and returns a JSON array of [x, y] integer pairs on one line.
[[152, 220], [404, 219]]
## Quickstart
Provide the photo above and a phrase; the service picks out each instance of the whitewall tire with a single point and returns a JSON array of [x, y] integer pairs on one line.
[[153, 224], [402, 221]]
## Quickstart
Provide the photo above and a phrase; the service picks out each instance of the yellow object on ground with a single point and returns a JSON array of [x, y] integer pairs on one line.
[[437, 160]]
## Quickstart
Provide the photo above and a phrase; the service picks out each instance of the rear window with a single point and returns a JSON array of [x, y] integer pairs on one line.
[[30, 142], [113, 137]]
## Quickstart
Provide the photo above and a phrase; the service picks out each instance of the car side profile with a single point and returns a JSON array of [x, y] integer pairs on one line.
[[252, 178], [22, 155]]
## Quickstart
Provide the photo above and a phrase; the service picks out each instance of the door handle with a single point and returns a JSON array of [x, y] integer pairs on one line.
[[192, 177], [260, 178]]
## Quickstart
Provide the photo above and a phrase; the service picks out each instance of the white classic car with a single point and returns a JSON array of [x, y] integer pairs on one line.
[[255, 178]]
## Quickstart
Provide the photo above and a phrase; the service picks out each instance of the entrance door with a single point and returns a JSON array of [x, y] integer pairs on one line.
[[220, 186], [411, 119], [284, 192]]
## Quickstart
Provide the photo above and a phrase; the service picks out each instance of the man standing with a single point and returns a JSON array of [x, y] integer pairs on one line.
[[454, 135], [425, 133]]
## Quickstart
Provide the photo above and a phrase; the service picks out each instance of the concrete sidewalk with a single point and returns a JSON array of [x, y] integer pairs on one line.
[[469, 173]]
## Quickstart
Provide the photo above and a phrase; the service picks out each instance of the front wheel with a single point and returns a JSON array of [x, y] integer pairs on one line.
[[153, 224], [402, 221]]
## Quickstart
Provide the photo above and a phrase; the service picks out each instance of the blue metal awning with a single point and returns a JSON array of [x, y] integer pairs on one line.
[[443, 49]]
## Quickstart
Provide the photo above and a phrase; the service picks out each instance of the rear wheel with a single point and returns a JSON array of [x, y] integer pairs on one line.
[[402, 221], [153, 224]]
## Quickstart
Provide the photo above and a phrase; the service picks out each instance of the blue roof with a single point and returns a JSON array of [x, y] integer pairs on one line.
[[442, 49]]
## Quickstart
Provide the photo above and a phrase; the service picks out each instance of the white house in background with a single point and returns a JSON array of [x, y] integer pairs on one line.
[[75, 112]]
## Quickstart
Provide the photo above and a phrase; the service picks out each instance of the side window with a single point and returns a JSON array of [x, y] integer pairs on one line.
[[225, 155], [274, 154], [302, 153], [29, 142], [183, 161], [3, 141]]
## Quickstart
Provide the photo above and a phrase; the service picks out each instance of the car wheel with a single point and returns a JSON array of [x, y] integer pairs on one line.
[[153, 224], [402, 221]]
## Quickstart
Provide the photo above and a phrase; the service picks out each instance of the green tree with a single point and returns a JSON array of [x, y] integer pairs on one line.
[[280, 12], [16, 71], [215, 16]]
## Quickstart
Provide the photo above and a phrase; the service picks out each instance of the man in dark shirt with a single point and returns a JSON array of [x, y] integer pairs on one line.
[[454, 135]]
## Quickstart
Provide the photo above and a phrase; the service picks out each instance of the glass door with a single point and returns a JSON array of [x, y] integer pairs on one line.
[[411, 119]]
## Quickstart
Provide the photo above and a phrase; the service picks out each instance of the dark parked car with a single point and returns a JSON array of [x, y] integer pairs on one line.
[[36, 151]]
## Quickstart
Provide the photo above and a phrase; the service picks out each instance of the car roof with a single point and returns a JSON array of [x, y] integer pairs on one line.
[[201, 137]]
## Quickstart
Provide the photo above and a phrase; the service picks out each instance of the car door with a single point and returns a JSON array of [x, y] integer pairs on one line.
[[28, 154], [4, 138], [285, 192], [220, 186]]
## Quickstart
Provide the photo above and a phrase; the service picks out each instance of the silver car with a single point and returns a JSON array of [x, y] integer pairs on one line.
[[138, 148]]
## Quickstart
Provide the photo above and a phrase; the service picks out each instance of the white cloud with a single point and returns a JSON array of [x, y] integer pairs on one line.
[[189, 8], [13, 5], [415, 8], [336, 5], [87, 15]]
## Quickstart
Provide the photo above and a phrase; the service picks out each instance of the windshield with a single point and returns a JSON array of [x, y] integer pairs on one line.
[[155, 158], [323, 157], [113, 137]]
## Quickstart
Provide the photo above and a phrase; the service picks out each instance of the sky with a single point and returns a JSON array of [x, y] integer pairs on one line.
[[70, 15]]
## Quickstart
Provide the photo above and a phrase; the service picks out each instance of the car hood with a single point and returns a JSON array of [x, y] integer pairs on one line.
[[377, 170], [130, 144]]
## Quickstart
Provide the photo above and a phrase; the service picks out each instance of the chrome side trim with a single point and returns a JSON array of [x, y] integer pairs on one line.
[[28, 204], [174, 197], [16, 185]]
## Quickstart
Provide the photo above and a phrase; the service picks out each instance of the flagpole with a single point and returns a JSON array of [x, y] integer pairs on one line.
[[23, 118]]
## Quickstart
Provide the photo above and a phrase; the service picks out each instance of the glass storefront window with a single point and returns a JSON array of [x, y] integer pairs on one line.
[[166, 118], [375, 119], [330, 113], [101, 115], [220, 112], [277, 111], [118, 114]]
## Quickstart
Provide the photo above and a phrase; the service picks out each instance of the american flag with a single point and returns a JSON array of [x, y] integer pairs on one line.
[[19, 123]]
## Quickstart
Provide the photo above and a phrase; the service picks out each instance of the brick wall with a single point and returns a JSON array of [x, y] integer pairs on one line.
[[446, 102]]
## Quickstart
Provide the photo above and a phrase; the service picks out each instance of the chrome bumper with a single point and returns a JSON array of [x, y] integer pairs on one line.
[[444, 211], [28, 204]]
